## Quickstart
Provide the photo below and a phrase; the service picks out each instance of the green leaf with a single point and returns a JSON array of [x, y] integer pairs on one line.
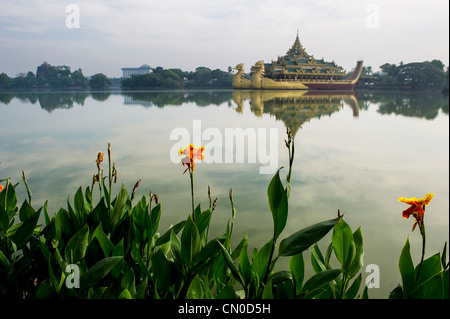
[[155, 216], [227, 293], [5, 262], [202, 220], [354, 288], [230, 263], [321, 279], [119, 206], [261, 260], [25, 211], [430, 267], [98, 271], [125, 294], [317, 259], [195, 290], [297, 268], [244, 265], [79, 205], [45, 291], [268, 291], [303, 239], [406, 267], [278, 204], [103, 240], [166, 236], [161, 270], [11, 198], [77, 245], [431, 288], [342, 242], [25, 231], [446, 282], [190, 241], [4, 219], [359, 253]]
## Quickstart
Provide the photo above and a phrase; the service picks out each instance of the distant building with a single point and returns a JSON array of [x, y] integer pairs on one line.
[[143, 69]]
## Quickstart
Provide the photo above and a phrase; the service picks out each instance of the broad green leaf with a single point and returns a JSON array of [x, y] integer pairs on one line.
[[406, 267], [161, 270], [321, 279], [25, 231], [190, 241], [98, 271], [104, 241], [261, 260], [227, 293], [303, 239], [268, 291], [25, 211], [166, 236], [237, 251], [119, 206], [195, 290], [44, 291], [77, 245], [297, 268], [430, 267], [342, 242], [431, 288], [202, 220], [125, 294], [211, 249], [278, 204], [11, 198]]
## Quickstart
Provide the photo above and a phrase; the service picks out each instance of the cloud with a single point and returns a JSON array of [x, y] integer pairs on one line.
[[186, 34]]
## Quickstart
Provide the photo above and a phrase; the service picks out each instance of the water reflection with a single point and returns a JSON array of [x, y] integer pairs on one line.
[[294, 108]]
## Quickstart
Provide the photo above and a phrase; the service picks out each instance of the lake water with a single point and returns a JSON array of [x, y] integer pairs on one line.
[[357, 153]]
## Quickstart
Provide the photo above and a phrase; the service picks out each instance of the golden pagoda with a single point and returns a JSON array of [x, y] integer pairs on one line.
[[297, 70]]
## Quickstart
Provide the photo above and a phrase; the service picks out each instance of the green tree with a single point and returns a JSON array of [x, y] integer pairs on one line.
[[99, 80], [5, 80], [79, 79]]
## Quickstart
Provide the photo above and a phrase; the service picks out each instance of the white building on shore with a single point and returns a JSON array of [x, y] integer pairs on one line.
[[143, 69]]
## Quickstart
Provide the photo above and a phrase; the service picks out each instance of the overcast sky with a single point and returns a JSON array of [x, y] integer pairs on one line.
[[185, 34]]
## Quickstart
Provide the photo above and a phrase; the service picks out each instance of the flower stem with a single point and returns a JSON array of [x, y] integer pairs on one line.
[[191, 174], [422, 232]]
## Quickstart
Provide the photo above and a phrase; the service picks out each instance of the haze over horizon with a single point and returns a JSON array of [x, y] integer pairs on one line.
[[216, 34]]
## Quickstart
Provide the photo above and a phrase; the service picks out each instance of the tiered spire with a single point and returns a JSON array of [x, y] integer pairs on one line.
[[297, 48]]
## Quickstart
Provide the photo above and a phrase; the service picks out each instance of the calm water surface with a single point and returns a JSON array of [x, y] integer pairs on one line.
[[357, 153]]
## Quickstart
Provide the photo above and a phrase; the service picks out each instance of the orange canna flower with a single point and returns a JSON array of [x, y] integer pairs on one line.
[[417, 208], [191, 153], [1, 188], [99, 159]]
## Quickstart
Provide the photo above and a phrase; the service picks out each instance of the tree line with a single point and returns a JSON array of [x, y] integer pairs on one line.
[[427, 75], [202, 77], [49, 76]]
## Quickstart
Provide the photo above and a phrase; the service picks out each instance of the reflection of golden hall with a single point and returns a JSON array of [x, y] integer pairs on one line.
[[297, 70], [294, 107]]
